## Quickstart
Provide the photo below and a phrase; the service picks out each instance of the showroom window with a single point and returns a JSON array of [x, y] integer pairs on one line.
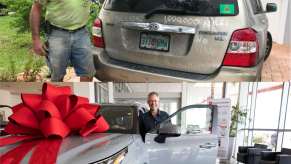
[[287, 134], [268, 121]]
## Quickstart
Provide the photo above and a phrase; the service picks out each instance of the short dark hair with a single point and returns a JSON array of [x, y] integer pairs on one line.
[[153, 93]]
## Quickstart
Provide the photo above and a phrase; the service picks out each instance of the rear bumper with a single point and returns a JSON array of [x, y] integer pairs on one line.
[[108, 69]]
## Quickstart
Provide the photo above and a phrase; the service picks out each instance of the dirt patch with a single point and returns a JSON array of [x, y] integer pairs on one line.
[[44, 76]]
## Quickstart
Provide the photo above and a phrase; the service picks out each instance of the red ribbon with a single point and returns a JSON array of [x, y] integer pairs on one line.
[[42, 121]]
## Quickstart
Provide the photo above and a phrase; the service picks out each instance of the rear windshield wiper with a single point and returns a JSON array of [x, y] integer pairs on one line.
[[170, 11]]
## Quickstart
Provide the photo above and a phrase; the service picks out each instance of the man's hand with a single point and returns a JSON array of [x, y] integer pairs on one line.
[[39, 47], [35, 15]]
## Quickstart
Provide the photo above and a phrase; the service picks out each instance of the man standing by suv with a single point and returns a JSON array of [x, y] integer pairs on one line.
[[68, 39], [154, 116]]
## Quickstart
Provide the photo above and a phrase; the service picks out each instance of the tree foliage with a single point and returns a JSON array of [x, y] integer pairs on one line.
[[95, 9], [21, 10]]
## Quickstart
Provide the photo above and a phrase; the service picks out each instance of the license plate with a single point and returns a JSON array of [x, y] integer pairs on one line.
[[159, 42]]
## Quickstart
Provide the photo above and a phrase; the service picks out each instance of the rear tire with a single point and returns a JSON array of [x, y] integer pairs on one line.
[[259, 74], [268, 46]]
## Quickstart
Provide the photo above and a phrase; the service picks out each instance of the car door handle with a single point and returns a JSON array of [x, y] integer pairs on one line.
[[158, 27], [207, 146]]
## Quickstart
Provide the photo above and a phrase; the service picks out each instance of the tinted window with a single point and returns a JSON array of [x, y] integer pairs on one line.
[[201, 7], [120, 119]]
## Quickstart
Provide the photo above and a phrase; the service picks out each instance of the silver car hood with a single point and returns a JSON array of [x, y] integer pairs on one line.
[[92, 148], [95, 147]]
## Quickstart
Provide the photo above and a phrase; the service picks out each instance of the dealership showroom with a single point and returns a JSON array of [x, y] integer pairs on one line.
[[228, 122]]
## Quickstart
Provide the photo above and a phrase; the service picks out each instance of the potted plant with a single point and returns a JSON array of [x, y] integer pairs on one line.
[[237, 116]]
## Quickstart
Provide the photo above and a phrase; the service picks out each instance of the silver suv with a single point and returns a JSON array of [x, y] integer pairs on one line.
[[174, 40]]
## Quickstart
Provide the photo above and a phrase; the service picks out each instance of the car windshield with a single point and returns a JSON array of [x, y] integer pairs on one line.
[[191, 7], [121, 119]]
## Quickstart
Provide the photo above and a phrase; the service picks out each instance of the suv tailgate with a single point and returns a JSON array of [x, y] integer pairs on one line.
[[197, 45]]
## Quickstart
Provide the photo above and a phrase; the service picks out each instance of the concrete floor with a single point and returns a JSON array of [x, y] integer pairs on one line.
[[231, 161], [276, 68], [278, 65]]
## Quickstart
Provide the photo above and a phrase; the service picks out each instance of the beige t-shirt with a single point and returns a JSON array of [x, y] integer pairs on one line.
[[67, 14]]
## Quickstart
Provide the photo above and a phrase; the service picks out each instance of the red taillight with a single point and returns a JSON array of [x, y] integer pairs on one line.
[[243, 49], [97, 39]]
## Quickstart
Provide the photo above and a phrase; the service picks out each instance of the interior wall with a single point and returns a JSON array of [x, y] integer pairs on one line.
[[85, 90], [278, 20]]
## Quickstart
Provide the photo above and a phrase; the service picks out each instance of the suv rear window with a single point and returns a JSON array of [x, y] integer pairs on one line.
[[194, 7]]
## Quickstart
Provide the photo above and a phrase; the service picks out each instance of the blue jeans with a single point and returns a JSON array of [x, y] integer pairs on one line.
[[70, 47]]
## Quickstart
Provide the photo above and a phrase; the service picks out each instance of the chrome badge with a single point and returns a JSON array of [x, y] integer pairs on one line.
[[153, 26]]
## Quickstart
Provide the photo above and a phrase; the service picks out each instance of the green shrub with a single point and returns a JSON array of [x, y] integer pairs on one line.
[[32, 69], [10, 74]]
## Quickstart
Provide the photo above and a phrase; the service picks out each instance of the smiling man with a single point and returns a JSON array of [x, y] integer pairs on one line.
[[68, 38], [154, 116]]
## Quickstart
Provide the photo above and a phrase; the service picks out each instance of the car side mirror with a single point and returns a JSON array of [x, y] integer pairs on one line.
[[168, 130], [271, 7]]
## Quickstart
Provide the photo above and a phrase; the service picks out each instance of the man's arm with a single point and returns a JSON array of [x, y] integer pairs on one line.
[[34, 19]]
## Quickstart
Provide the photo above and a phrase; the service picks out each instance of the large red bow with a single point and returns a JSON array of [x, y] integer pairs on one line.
[[44, 120]]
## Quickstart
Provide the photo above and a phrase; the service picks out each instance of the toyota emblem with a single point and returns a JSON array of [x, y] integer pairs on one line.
[[153, 26]]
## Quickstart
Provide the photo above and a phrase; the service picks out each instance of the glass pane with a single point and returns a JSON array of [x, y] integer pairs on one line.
[[198, 119], [198, 93], [287, 135], [242, 138], [101, 92], [268, 105], [288, 114], [217, 90], [191, 121], [169, 106], [287, 140], [265, 137], [232, 92]]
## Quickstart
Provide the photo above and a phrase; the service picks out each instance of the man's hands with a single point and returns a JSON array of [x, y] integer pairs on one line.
[[39, 48]]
